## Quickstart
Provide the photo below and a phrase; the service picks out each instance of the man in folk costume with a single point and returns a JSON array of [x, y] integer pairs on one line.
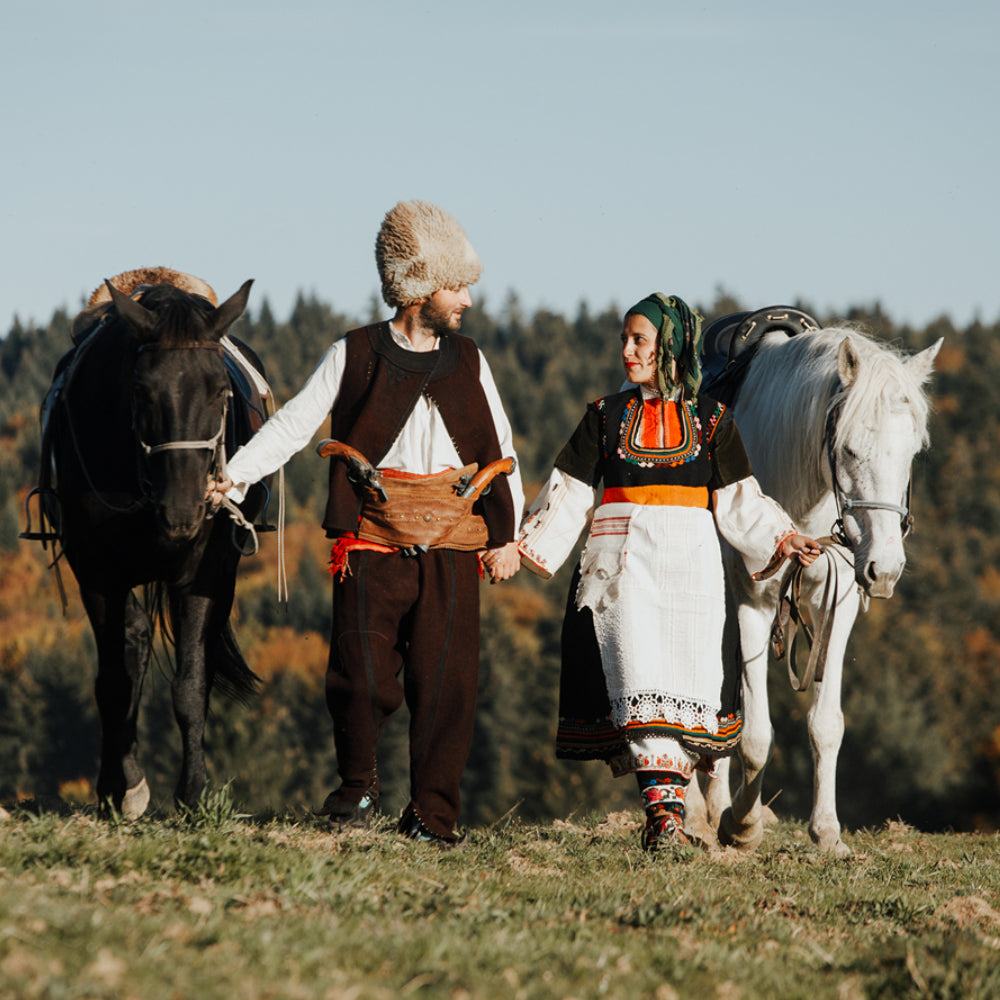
[[642, 672], [414, 411]]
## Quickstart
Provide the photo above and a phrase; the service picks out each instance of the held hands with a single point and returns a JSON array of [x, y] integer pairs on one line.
[[216, 490], [502, 563], [806, 550]]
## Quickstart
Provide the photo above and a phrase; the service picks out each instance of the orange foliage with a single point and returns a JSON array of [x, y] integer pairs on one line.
[[30, 614], [20, 577], [79, 792], [284, 649], [980, 644], [989, 584], [300, 537], [950, 359], [525, 607]]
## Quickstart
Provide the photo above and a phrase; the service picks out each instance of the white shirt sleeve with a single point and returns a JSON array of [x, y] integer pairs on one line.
[[505, 436], [554, 522], [753, 523], [292, 427]]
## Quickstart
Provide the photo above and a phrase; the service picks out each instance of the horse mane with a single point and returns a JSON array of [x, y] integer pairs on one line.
[[181, 317], [790, 391]]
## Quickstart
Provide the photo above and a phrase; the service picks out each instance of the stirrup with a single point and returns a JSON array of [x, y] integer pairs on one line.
[[43, 535]]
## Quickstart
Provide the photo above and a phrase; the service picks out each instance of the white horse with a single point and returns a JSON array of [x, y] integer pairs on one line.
[[831, 421]]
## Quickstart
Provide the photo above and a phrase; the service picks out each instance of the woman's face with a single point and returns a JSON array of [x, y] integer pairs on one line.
[[639, 349]]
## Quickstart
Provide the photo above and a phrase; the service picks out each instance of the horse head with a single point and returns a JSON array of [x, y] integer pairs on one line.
[[876, 424], [179, 397]]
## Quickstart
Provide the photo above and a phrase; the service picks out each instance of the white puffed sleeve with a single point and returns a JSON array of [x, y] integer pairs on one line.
[[753, 523], [554, 522]]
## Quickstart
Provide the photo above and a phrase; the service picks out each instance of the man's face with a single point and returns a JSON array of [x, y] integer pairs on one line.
[[442, 312]]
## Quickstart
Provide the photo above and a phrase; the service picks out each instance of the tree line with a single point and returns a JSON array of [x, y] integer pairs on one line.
[[921, 691]]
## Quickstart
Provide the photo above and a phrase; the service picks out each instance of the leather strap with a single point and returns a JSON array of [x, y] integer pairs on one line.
[[788, 618]]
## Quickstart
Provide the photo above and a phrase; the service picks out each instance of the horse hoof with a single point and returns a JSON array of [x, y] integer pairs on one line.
[[135, 801], [743, 838], [834, 846], [699, 830]]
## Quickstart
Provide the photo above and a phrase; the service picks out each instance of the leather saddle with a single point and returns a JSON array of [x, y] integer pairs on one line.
[[730, 343]]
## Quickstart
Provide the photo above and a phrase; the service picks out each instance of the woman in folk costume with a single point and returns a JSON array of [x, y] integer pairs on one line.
[[649, 593]]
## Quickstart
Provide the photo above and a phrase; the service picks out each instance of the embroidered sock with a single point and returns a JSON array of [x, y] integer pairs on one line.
[[662, 794]]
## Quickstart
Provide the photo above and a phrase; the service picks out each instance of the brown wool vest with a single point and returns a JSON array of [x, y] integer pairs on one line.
[[381, 385]]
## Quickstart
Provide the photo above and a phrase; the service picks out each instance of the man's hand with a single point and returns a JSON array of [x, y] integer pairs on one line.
[[806, 550], [502, 563], [216, 490]]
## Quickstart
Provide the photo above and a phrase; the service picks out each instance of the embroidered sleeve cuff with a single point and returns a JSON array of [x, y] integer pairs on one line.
[[530, 561], [776, 559]]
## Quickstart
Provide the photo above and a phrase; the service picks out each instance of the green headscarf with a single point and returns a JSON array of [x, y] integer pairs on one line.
[[679, 330]]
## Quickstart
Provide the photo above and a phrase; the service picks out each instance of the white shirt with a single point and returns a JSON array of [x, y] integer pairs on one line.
[[423, 446]]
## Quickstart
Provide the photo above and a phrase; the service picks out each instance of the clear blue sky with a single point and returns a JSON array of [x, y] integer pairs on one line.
[[838, 153]]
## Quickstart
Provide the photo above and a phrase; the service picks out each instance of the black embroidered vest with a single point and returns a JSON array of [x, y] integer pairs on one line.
[[626, 463]]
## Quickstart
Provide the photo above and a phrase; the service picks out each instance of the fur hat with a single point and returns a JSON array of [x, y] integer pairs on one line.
[[420, 250]]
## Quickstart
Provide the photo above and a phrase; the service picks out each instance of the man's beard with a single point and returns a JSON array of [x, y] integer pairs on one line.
[[439, 321]]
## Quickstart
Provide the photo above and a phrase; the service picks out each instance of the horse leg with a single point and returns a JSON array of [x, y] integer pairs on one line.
[[741, 825], [717, 793], [124, 639], [704, 804], [826, 732], [696, 824], [714, 793], [190, 616]]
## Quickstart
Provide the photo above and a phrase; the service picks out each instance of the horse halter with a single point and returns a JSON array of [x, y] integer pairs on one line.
[[846, 503]]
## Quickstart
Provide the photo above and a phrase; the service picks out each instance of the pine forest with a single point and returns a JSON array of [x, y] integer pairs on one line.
[[922, 677]]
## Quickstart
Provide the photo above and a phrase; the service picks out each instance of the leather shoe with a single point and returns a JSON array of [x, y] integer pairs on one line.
[[411, 827], [351, 814]]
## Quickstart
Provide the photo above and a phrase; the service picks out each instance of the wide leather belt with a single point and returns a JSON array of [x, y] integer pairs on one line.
[[423, 510]]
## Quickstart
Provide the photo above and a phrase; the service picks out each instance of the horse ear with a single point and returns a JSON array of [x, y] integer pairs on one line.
[[231, 309], [921, 365], [138, 317], [848, 361]]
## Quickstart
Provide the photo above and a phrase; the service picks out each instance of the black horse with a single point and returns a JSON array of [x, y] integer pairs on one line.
[[139, 423]]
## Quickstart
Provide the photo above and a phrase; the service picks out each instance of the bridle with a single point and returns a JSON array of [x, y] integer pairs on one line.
[[788, 617], [214, 444], [846, 503]]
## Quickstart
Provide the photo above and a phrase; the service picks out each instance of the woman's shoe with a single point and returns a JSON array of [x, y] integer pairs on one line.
[[665, 829]]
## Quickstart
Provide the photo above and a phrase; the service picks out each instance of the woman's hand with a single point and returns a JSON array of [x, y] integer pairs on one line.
[[502, 563], [804, 549]]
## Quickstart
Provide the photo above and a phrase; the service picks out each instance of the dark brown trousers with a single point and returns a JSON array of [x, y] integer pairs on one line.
[[406, 628]]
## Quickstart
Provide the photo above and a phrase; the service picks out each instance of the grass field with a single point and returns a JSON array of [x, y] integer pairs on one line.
[[218, 905]]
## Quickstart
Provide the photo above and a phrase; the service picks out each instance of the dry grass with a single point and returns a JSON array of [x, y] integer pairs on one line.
[[216, 905]]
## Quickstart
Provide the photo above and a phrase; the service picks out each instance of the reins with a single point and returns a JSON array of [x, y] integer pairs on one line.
[[788, 618], [81, 351]]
